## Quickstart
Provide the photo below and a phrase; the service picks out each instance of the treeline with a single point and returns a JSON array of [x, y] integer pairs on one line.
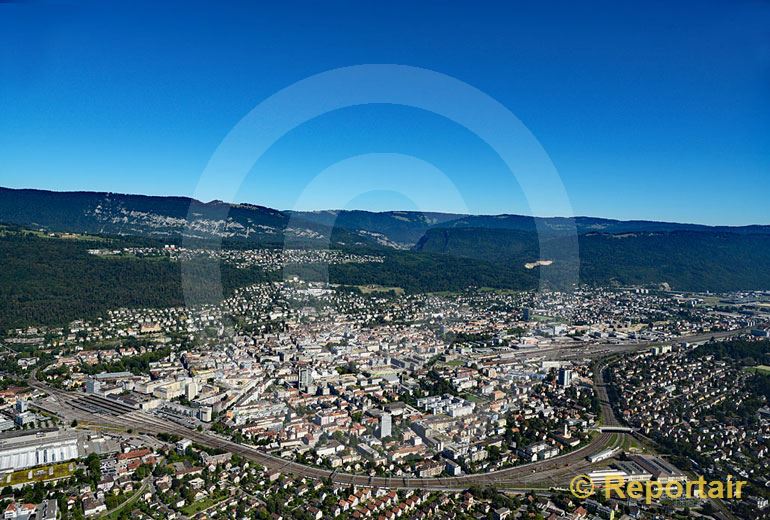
[[50, 281], [426, 272], [46, 281], [745, 352], [53, 282], [687, 260], [135, 364]]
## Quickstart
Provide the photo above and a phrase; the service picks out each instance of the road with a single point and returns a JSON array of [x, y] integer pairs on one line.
[[73, 406], [553, 472], [130, 500]]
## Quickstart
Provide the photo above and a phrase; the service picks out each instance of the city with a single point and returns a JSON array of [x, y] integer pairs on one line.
[[396, 260], [322, 391]]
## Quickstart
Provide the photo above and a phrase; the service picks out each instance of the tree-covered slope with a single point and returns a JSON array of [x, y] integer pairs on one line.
[[48, 281], [688, 260]]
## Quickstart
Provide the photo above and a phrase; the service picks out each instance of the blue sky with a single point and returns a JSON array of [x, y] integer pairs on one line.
[[654, 110]]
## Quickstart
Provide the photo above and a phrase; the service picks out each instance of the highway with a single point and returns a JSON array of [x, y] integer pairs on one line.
[[92, 409]]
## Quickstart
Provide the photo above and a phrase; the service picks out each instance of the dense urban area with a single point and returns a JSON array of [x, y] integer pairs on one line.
[[297, 399]]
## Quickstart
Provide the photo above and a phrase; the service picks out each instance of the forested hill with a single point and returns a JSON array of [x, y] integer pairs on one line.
[[52, 281], [164, 217], [46, 282], [687, 260]]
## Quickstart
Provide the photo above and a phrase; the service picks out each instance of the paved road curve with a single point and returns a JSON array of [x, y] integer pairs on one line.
[[556, 471]]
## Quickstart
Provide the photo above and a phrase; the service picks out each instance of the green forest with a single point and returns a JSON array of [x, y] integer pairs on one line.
[[53, 281], [47, 281], [746, 352], [686, 260]]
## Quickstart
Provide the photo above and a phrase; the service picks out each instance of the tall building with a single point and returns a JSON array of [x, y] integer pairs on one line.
[[305, 379], [93, 386], [191, 390], [565, 377], [526, 314], [385, 426]]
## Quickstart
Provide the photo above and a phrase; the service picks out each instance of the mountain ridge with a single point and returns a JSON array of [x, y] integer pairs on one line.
[[118, 213], [52, 281]]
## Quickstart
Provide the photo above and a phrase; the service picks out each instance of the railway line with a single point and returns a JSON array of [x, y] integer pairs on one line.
[[100, 410], [553, 472]]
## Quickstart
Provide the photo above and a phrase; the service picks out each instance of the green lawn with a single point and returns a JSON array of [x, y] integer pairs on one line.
[[61, 236], [40, 474], [197, 507], [473, 398], [631, 444]]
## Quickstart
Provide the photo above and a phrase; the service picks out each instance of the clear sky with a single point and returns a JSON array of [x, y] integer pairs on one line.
[[654, 110]]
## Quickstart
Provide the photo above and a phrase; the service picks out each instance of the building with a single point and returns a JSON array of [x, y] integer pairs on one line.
[[429, 468], [112, 377], [215, 460], [453, 468], [205, 413], [48, 510], [305, 377], [181, 446], [385, 426], [191, 390], [565, 377], [501, 513], [93, 507], [538, 451], [602, 455], [446, 404], [601, 477], [16, 511], [633, 471], [26, 449], [93, 386], [25, 418], [661, 470]]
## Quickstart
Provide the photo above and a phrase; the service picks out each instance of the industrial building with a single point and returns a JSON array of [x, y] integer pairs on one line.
[[26, 449]]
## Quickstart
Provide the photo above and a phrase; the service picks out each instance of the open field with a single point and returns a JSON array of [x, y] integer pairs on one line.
[[760, 369], [206, 503], [371, 289], [4, 230]]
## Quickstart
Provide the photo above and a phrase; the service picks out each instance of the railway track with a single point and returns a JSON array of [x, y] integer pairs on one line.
[[100, 410], [105, 411]]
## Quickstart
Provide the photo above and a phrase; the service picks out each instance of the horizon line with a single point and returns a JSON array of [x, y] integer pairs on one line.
[[337, 210]]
